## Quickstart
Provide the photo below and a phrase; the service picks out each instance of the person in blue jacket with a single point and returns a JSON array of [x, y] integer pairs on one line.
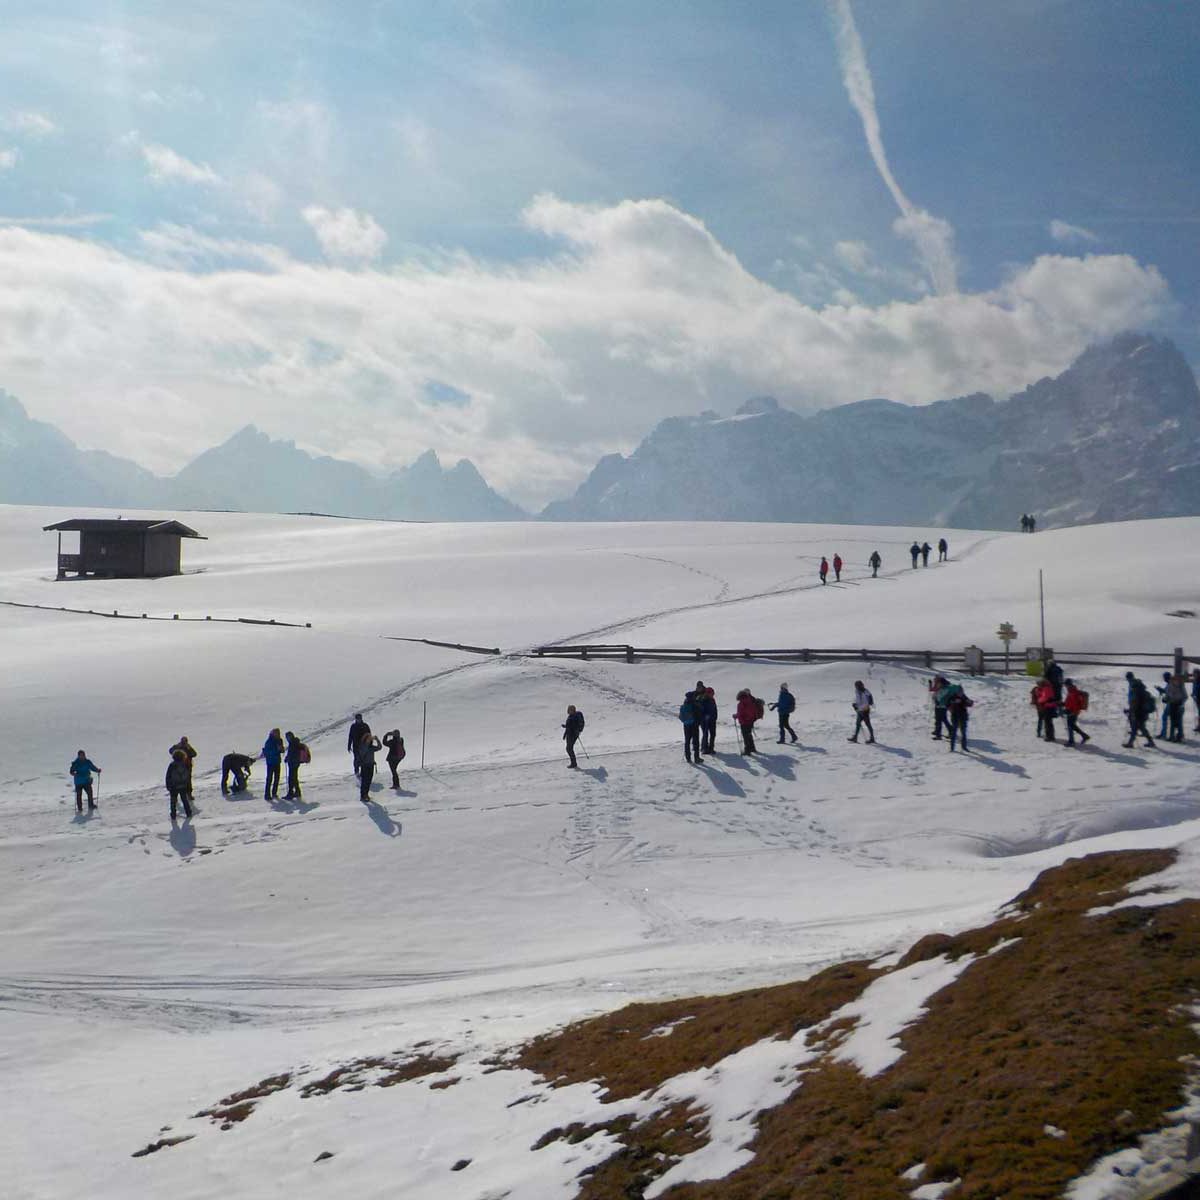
[[785, 705], [81, 769], [689, 717], [272, 753]]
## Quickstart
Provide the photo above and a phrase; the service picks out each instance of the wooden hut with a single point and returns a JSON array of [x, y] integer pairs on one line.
[[120, 549]]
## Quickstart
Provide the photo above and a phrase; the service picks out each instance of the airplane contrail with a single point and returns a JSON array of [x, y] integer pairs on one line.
[[932, 236]]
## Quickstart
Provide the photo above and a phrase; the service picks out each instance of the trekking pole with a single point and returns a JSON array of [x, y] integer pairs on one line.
[[424, 711], [583, 748]]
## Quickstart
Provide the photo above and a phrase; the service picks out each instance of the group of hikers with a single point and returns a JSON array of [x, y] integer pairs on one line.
[[918, 550], [1028, 523]]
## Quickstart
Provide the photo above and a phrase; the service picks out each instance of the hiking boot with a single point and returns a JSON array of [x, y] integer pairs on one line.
[[870, 741], [852, 739]]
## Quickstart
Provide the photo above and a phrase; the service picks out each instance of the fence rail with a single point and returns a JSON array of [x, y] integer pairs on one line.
[[992, 660]]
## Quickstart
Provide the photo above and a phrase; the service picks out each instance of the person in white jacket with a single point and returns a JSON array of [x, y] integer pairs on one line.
[[862, 704]]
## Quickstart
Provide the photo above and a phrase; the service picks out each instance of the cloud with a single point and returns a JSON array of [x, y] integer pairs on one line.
[[71, 221], [932, 236], [633, 313], [29, 124], [8, 158], [346, 235], [167, 166], [1062, 231]]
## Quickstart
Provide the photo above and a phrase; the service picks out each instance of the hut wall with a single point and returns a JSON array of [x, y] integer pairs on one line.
[[163, 555], [113, 553]]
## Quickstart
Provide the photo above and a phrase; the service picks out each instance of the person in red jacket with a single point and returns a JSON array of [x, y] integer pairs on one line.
[[1073, 704], [746, 715], [1047, 706], [837, 568], [823, 569]]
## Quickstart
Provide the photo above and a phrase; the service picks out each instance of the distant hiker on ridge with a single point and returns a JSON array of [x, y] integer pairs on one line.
[[823, 569], [745, 715], [1196, 696], [354, 737], [368, 746], [837, 567], [237, 765], [943, 549], [572, 728], [179, 782], [81, 769], [874, 562], [395, 754], [925, 549], [915, 551], [1032, 523], [1024, 522], [272, 753], [689, 718], [862, 704], [785, 705]]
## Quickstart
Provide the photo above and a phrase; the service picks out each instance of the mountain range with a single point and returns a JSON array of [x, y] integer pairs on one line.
[[1114, 437]]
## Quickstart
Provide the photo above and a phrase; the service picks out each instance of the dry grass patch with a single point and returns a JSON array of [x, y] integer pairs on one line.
[[1080, 1023]]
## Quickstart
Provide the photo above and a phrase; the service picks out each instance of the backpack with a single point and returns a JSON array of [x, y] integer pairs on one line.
[[304, 754], [760, 708], [580, 716], [1083, 700]]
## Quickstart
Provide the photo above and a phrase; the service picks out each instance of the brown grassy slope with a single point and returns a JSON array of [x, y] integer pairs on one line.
[[1080, 1024]]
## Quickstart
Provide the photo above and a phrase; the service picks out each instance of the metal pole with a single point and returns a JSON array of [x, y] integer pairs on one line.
[[1042, 611], [424, 708]]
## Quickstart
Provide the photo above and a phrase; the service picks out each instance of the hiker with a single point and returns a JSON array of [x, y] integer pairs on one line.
[[874, 562], [1140, 706], [1174, 698], [915, 551], [940, 722], [1161, 689], [709, 715], [1033, 700], [294, 755], [1032, 523], [823, 569], [1024, 522], [81, 769], [943, 550], [1053, 673], [237, 765], [957, 705], [785, 705], [1047, 703], [862, 703], [1196, 696], [272, 753], [1075, 702], [925, 549], [189, 754], [689, 717], [354, 738], [395, 754], [368, 746], [179, 784], [837, 567], [746, 714], [572, 728]]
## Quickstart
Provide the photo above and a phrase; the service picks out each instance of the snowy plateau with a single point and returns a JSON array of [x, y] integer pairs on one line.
[[330, 998]]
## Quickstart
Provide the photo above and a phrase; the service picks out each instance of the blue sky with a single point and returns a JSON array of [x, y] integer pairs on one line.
[[574, 219]]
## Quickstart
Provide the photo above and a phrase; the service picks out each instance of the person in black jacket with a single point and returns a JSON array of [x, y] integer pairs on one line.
[[354, 738], [179, 785], [1141, 705], [708, 721], [237, 765], [874, 562], [925, 549], [572, 728], [395, 754], [689, 718], [915, 551], [1054, 673], [189, 755], [293, 757], [367, 748], [943, 549]]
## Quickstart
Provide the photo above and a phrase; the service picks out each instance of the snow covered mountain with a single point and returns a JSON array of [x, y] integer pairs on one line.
[[1115, 437], [250, 472]]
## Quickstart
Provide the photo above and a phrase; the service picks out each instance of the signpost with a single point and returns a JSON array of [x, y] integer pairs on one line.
[[1006, 633]]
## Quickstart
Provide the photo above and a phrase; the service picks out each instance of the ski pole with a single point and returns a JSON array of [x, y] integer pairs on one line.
[[583, 748]]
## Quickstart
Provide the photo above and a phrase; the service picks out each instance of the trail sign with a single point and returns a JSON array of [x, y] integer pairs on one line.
[[1006, 633]]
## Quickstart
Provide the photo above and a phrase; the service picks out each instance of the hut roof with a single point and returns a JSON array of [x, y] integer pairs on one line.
[[119, 524]]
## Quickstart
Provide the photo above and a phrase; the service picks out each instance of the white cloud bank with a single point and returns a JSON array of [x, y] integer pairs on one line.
[[636, 313]]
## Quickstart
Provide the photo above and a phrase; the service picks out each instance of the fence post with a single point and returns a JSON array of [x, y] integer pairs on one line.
[[629, 654], [929, 660], [1178, 660], [583, 653]]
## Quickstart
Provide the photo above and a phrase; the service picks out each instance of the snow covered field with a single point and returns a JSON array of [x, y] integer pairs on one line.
[[147, 971]]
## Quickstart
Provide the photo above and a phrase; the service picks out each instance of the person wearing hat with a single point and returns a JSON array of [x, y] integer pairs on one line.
[[785, 705]]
